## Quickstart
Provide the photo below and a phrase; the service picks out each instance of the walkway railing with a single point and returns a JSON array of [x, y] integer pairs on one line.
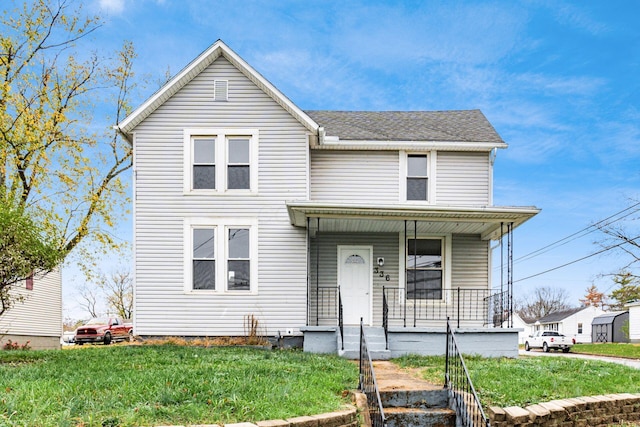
[[368, 384], [462, 394], [340, 319], [461, 304]]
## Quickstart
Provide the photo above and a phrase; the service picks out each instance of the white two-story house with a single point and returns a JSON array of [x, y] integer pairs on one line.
[[247, 205]]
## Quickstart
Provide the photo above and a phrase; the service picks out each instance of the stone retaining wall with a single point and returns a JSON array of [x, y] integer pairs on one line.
[[597, 411], [344, 418]]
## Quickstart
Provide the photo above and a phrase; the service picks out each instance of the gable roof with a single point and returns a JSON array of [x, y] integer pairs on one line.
[[560, 315], [442, 126], [196, 66]]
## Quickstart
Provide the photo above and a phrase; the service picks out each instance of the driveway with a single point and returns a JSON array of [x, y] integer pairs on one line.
[[633, 363]]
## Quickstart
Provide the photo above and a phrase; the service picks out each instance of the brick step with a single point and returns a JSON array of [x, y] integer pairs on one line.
[[423, 399], [417, 417]]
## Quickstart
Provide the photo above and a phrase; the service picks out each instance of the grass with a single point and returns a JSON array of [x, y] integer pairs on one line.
[[631, 351], [528, 380], [167, 384]]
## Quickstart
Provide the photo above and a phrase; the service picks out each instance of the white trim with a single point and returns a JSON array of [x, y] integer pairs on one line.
[[220, 225], [221, 136]]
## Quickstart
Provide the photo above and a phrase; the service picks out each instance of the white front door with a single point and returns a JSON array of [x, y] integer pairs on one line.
[[354, 279]]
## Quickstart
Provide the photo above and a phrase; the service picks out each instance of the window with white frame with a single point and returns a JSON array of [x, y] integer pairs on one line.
[[417, 176], [222, 256], [238, 260], [579, 328], [204, 260], [221, 160], [239, 163], [204, 163], [424, 269]]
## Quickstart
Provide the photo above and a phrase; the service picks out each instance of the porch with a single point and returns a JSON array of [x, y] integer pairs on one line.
[[405, 271]]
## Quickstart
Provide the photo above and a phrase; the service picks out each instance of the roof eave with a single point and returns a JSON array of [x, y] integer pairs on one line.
[[333, 143]]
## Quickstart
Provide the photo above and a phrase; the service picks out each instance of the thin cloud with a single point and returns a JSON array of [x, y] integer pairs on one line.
[[112, 7]]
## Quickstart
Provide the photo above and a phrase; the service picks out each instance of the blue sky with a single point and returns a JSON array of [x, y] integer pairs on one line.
[[560, 82]]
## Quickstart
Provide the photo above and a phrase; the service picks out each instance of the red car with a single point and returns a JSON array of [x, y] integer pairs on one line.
[[105, 330]]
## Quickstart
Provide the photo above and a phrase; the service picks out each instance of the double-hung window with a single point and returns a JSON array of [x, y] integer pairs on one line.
[[238, 260], [204, 163], [417, 177], [222, 255], [239, 163], [424, 269], [221, 161], [204, 260]]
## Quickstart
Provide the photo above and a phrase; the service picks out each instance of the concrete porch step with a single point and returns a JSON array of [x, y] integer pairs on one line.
[[418, 417], [355, 354], [423, 399]]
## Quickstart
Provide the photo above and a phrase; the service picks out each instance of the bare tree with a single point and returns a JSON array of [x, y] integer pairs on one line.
[[118, 290], [542, 301], [622, 234], [90, 297]]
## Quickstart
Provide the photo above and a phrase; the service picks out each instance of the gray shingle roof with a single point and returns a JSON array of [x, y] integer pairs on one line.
[[458, 126], [559, 315]]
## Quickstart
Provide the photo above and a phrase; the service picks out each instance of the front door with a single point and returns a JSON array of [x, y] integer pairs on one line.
[[354, 279]]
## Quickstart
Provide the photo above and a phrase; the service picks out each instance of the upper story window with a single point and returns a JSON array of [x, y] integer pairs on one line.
[[416, 176], [239, 163], [204, 163], [221, 161]]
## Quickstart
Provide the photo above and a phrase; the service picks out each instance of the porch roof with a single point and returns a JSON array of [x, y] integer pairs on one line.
[[344, 217]]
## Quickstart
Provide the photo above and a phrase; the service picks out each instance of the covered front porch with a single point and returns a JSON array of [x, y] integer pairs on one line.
[[404, 271]]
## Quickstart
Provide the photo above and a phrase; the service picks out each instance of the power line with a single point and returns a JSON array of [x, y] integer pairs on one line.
[[587, 230], [578, 260]]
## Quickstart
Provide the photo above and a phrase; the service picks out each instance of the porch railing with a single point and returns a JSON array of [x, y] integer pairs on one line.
[[461, 304], [462, 395], [368, 384], [326, 305]]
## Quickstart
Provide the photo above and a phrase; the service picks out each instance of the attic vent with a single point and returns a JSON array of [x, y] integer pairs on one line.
[[220, 90]]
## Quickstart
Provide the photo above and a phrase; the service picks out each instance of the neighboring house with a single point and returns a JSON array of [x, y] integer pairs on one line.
[[525, 327], [634, 321], [611, 327], [38, 318], [246, 205], [574, 323]]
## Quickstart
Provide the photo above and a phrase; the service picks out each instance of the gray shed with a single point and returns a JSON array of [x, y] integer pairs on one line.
[[610, 327]]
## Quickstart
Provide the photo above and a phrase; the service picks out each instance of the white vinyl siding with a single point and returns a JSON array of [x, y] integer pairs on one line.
[[470, 262], [162, 305], [354, 176], [463, 179], [40, 314], [634, 322]]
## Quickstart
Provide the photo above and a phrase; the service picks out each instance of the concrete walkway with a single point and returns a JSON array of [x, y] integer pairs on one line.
[[390, 377], [633, 363]]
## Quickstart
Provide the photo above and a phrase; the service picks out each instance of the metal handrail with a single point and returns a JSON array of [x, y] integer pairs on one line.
[[368, 384], [462, 393], [340, 319], [385, 318]]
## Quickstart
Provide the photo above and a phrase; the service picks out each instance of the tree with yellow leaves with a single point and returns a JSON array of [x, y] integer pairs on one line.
[[52, 164]]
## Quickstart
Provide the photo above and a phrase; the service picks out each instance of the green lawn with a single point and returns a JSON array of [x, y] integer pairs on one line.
[[609, 349], [160, 385], [527, 380]]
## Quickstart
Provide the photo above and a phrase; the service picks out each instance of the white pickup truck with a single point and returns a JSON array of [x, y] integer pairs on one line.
[[546, 340]]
